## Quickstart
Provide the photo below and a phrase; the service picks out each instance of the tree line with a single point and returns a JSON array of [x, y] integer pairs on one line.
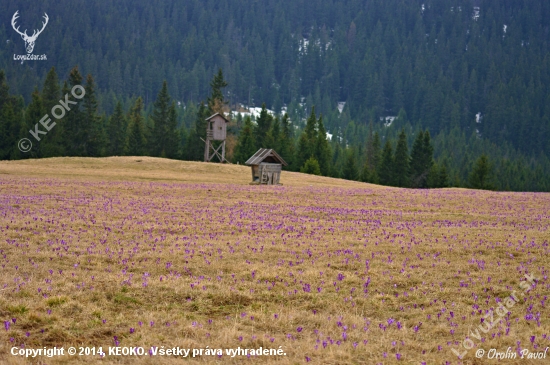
[[433, 59], [372, 154]]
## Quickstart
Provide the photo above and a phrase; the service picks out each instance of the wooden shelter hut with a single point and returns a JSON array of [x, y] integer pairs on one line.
[[266, 167]]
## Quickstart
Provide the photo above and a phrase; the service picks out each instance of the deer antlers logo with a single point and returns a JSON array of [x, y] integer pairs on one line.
[[29, 41]]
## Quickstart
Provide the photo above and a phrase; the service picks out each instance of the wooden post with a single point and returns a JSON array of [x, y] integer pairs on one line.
[[207, 150]]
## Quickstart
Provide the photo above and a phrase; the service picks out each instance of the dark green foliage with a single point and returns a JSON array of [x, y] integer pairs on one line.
[[53, 145], [272, 138], [385, 169], [482, 174], [10, 127], [216, 99], [164, 139], [435, 69], [94, 137], [11, 124], [34, 113], [421, 160], [245, 145], [311, 166], [136, 143], [76, 132], [263, 124], [443, 178], [322, 149], [438, 178], [313, 142], [440, 67], [51, 92], [366, 174], [286, 143], [401, 162], [194, 150], [350, 171], [117, 131]]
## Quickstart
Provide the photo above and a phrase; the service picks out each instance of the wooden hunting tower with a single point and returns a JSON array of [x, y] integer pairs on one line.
[[266, 167], [216, 130]]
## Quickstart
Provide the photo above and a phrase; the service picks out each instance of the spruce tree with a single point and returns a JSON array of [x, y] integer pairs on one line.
[[287, 143], [117, 131], [197, 135], [421, 160], [173, 137], [245, 145], [385, 170], [263, 124], [51, 92], [74, 132], [376, 158], [93, 133], [401, 161], [311, 166], [10, 122], [433, 177], [159, 118], [481, 175], [273, 134], [216, 100], [311, 127], [365, 175], [443, 178], [428, 151], [164, 135], [135, 144], [322, 148], [349, 171], [10, 127], [54, 145], [34, 113], [307, 141]]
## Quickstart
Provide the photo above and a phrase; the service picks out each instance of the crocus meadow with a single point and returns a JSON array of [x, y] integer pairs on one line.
[[332, 273]]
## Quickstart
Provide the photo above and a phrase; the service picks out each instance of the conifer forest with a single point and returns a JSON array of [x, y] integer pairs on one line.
[[406, 93]]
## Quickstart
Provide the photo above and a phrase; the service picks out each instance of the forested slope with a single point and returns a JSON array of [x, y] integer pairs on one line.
[[439, 62]]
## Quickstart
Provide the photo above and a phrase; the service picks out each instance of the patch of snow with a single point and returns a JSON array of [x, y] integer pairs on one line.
[[478, 117], [330, 135], [475, 16], [302, 45], [387, 120], [341, 106], [252, 111]]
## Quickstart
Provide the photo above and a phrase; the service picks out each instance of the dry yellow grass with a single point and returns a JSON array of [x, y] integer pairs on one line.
[[169, 253]]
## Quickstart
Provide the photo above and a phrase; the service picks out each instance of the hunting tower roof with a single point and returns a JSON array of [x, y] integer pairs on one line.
[[221, 115]]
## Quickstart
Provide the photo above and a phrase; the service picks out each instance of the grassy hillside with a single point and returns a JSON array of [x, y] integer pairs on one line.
[[154, 169], [106, 252]]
